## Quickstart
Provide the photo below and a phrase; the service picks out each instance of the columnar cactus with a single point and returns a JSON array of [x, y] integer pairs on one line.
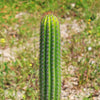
[[50, 69]]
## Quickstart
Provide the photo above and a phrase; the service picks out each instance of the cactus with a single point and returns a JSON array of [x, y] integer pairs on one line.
[[50, 69]]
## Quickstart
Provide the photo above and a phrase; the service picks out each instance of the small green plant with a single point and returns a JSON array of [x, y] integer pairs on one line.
[[50, 69]]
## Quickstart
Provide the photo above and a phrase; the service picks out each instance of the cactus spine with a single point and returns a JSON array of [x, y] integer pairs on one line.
[[50, 69]]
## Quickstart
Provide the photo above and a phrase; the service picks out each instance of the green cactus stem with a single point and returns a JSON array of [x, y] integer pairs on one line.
[[50, 67]]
